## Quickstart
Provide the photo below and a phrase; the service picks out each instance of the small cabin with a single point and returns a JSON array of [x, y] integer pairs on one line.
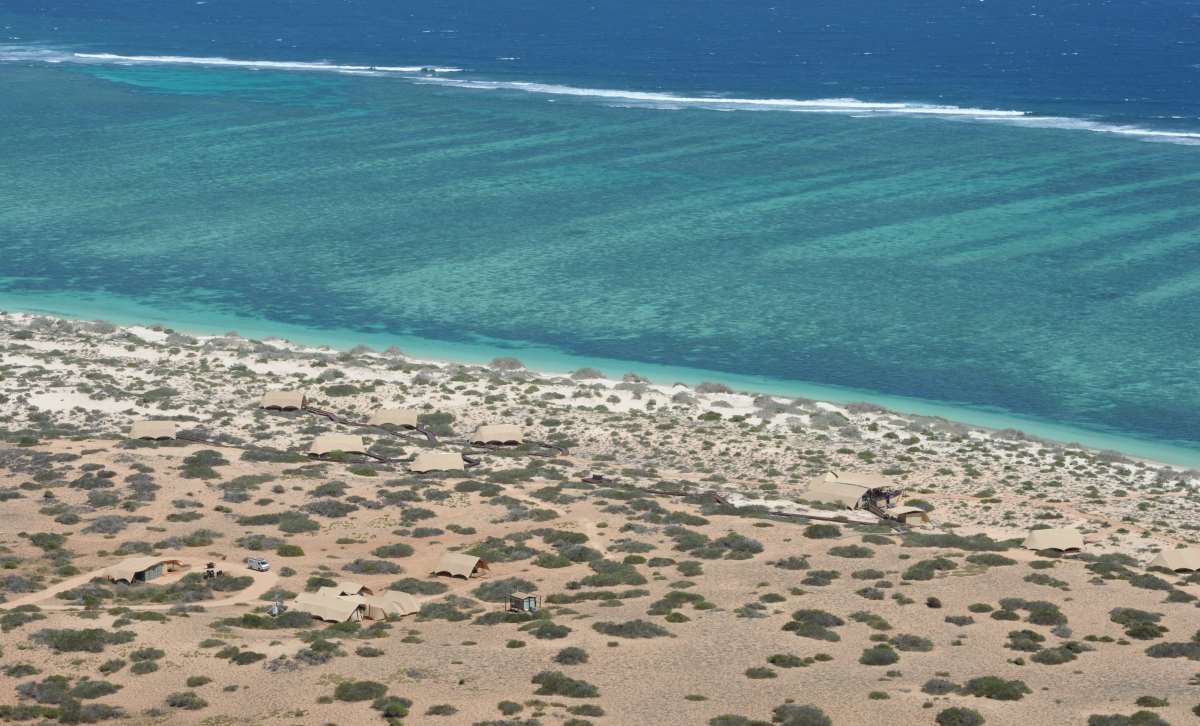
[[522, 603]]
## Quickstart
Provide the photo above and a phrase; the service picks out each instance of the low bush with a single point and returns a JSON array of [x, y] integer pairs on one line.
[[557, 683], [631, 629]]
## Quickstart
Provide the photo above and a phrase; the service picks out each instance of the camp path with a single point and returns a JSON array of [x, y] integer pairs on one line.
[[263, 582]]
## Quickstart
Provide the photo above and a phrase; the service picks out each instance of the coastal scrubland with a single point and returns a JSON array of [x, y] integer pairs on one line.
[[683, 577]]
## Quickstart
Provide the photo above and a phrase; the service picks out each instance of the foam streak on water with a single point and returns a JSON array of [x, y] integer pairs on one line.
[[854, 107]]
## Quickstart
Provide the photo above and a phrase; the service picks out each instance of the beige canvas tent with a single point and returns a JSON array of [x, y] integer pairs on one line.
[[456, 564], [403, 417], [142, 569], [374, 607], [427, 461], [908, 514], [1063, 538], [283, 400], [153, 430], [498, 434], [329, 443], [346, 587], [329, 607], [1185, 559], [393, 604], [844, 491]]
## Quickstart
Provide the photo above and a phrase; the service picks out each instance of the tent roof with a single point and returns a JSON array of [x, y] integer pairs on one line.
[[835, 491], [400, 603], [456, 564], [394, 416], [437, 461], [498, 434], [153, 430], [282, 399], [1185, 559], [327, 607], [327, 443], [1062, 538], [863, 479], [126, 569], [348, 587]]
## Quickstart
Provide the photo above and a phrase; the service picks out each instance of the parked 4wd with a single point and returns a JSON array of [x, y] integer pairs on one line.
[[258, 563]]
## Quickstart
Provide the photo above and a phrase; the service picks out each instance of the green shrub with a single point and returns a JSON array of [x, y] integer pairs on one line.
[[556, 683], [397, 549], [1141, 718], [499, 590], [186, 700], [911, 643], [957, 716], [791, 714], [822, 531], [879, 655], [90, 640], [571, 656], [631, 629], [359, 691], [852, 551], [289, 550], [814, 624], [759, 673], [996, 688]]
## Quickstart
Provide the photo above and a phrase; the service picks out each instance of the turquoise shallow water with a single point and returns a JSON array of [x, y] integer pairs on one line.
[[1045, 273]]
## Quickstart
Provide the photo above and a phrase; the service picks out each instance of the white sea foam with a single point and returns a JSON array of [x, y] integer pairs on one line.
[[853, 107], [50, 55]]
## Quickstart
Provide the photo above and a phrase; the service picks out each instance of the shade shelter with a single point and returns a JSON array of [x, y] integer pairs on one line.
[[328, 443], [156, 430], [456, 564], [401, 417], [283, 400], [1063, 539], [428, 461], [833, 490], [908, 514], [143, 569], [329, 607], [1185, 560], [498, 434]]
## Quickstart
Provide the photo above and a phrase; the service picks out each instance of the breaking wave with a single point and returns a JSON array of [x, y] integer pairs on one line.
[[46, 55], [640, 99], [847, 106]]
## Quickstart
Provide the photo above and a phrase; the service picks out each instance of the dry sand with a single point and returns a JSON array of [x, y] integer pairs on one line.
[[71, 390]]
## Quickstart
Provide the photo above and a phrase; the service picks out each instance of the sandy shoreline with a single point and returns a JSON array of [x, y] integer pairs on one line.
[[669, 574]]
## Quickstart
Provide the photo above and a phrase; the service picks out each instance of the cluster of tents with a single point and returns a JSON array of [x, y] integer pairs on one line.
[[347, 600]]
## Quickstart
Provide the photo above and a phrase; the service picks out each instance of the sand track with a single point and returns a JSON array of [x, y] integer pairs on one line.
[[263, 582]]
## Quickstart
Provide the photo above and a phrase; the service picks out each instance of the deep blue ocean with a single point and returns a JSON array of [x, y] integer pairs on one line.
[[986, 209]]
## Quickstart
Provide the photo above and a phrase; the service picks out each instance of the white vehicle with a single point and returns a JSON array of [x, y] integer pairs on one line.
[[258, 564]]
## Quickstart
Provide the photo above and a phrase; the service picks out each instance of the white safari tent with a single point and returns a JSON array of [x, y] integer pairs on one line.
[[402, 417], [456, 564], [428, 461], [329, 443], [153, 430], [1063, 539], [283, 400], [498, 434], [1179, 560]]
